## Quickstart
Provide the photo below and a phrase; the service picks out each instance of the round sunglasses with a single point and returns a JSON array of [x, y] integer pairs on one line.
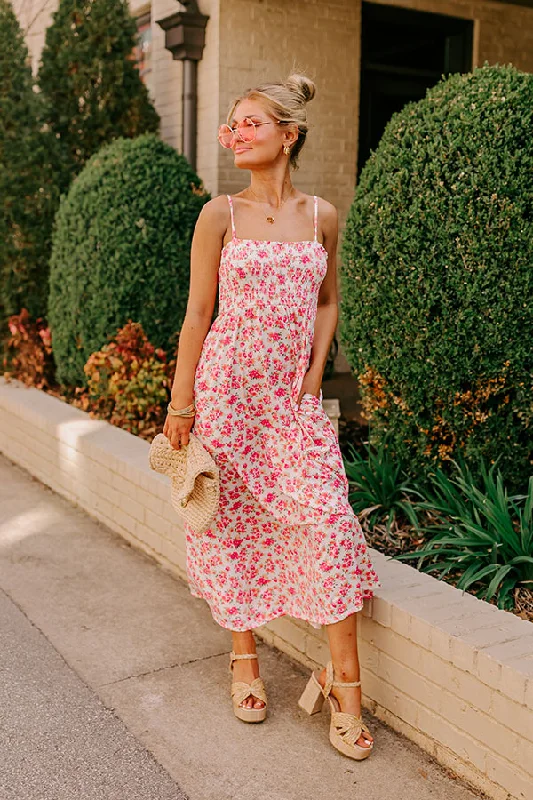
[[246, 130]]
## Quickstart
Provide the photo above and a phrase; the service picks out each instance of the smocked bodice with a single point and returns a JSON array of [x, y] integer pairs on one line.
[[271, 276]]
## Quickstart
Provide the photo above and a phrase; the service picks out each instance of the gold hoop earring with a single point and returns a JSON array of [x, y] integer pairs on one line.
[[286, 149]]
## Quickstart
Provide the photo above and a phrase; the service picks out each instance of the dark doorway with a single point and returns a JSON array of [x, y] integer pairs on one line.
[[403, 53]]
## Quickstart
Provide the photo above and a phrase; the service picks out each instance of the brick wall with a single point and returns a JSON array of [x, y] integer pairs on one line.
[[34, 17], [452, 673]]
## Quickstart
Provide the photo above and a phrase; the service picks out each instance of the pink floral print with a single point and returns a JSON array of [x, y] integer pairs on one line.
[[285, 539]]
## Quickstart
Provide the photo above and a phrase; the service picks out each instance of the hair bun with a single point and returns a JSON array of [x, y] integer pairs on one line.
[[301, 84]]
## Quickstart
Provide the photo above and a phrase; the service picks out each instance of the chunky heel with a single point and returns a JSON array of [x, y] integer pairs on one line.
[[345, 729], [312, 698]]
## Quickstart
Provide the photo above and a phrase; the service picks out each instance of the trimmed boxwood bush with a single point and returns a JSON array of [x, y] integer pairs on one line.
[[437, 277], [121, 250]]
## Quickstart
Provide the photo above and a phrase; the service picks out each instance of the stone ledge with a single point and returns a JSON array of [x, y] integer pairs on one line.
[[449, 671]]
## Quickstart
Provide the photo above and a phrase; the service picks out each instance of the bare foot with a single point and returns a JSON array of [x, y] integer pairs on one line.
[[350, 703], [246, 669]]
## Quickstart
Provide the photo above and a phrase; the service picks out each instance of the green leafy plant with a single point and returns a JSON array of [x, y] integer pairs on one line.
[[28, 352], [379, 487], [481, 533], [128, 382]]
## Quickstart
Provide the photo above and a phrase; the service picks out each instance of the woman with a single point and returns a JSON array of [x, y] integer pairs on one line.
[[285, 539]]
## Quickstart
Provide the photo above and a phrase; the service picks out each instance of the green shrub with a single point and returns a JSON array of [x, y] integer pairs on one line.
[[27, 196], [436, 315], [121, 250], [89, 82]]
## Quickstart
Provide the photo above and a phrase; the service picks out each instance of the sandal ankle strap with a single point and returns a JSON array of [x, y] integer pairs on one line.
[[346, 683], [331, 682], [236, 656]]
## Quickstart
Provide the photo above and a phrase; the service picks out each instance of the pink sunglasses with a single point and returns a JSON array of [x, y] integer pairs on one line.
[[245, 129]]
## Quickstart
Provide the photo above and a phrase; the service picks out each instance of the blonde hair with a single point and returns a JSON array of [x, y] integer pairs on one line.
[[285, 101]]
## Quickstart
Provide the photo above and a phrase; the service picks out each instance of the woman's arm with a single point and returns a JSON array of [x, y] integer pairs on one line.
[[327, 311], [206, 246]]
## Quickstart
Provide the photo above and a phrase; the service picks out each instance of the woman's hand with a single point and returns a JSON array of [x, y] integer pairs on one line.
[[311, 384], [177, 429]]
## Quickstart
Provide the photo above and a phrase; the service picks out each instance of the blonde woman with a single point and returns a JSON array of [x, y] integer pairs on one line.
[[285, 539]]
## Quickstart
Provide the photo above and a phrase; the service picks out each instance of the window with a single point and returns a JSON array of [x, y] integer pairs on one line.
[[143, 50], [403, 53]]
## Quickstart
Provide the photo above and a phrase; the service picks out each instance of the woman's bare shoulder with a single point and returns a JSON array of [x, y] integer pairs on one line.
[[216, 208], [325, 207], [214, 218]]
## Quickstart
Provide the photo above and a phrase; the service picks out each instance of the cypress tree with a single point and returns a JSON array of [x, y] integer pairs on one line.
[[90, 82], [27, 193]]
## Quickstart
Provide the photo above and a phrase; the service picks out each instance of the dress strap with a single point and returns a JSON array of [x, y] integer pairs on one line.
[[316, 216], [230, 200]]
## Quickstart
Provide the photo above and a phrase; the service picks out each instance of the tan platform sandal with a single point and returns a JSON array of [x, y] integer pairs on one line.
[[241, 690], [345, 729]]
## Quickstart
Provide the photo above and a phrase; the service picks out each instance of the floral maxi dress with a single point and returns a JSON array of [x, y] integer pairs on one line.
[[285, 539]]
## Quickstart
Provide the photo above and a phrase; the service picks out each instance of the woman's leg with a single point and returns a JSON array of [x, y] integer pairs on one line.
[[342, 638], [246, 669]]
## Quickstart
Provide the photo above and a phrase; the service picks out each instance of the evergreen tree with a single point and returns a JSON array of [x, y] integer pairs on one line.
[[90, 82], [27, 195]]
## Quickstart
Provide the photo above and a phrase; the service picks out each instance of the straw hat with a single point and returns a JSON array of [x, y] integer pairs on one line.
[[194, 475]]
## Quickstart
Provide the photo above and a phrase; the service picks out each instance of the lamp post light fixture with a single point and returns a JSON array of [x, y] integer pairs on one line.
[[185, 39]]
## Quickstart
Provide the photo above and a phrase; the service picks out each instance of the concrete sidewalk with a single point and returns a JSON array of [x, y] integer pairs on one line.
[[115, 683]]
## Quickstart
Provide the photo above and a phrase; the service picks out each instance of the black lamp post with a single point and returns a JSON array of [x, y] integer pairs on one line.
[[185, 38]]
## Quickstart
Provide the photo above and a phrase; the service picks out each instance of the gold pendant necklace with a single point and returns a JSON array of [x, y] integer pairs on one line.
[[270, 218]]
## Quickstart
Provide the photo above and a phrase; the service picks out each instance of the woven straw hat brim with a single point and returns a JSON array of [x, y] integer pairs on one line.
[[195, 488]]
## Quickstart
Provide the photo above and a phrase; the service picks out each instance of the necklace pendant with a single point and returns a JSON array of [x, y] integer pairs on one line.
[[270, 219]]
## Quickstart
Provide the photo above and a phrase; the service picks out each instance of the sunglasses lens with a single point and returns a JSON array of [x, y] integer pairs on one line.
[[225, 135], [247, 130]]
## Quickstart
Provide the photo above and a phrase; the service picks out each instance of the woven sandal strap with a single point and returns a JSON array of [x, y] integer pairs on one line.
[[240, 691], [331, 682], [329, 679], [343, 718], [348, 726], [236, 656], [346, 683]]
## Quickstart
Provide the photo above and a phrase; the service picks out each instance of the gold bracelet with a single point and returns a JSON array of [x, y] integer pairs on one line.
[[189, 411]]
